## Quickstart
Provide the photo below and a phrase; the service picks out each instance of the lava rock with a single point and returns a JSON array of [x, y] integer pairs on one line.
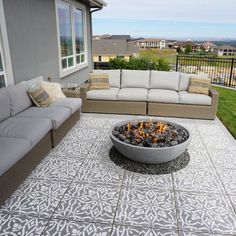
[[173, 143], [116, 133]]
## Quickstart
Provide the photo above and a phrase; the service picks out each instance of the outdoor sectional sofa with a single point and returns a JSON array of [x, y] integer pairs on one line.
[[157, 93], [27, 133]]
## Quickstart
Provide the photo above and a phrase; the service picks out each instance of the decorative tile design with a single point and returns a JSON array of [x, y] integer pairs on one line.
[[228, 177], [146, 207], [217, 142], [90, 203], [209, 130], [224, 158], [35, 198], [196, 143], [199, 158], [54, 168], [73, 148], [99, 172], [205, 213], [182, 233], [19, 225], [158, 182], [119, 230], [70, 228], [192, 179], [84, 134]]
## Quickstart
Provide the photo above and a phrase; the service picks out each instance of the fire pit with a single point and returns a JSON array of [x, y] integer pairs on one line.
[[150, 141]]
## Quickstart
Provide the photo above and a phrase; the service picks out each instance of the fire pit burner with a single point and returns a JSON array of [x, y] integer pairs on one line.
[[150, 141]]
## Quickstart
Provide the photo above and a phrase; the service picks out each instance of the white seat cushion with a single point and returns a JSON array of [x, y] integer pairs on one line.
[[164, 80], [194, 98], [135, 79], [163, 95], [114, 77], [103, 94], [133, 94]]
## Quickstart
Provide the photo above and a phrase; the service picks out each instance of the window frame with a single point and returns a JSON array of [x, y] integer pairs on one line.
[[76, 67]]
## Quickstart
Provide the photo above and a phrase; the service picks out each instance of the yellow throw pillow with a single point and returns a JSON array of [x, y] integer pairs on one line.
[[199, 85], [39, 96], [99, 81], [53, 89]]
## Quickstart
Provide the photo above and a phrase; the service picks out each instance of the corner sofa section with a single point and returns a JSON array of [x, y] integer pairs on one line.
[[158, 93], [27, 133]]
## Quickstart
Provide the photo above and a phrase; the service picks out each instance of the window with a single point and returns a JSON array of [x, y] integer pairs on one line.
[[2, 77], [99, 58], [72, 37]]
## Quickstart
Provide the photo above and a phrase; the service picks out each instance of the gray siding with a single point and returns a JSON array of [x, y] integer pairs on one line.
[[32, 34]]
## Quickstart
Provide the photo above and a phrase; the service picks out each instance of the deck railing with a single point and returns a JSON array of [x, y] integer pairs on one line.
[[221, 71]]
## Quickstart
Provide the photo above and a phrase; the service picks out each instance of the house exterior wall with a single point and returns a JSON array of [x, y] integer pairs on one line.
[[32, 34]]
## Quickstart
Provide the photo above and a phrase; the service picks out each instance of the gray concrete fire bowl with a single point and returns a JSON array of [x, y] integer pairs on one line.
[[149, 155]]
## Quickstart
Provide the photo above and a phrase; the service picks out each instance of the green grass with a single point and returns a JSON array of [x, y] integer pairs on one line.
[[227, 108]]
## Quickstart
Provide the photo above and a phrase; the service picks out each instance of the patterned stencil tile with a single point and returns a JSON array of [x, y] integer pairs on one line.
[[228, 177], [224, 158], [217, 142], [197, 180], [199, 158], [90, 203], [99, 172], [42, 188], [54, 168], [119, 230], [205, 213], [146, 207], [70, 228], [196, 143], [93, 123], [73, 148], [182, 233], [86, 133], [21, 225], [209, 130], [158, 182], [35, 198]]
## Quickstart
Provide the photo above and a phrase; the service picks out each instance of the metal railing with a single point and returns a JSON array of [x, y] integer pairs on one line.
[[222, 71]]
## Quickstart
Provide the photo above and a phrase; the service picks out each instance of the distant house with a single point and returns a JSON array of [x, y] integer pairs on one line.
[[195, 47], [51, 38], [208, 46], [109, 48], [150, 43], [225, 50]]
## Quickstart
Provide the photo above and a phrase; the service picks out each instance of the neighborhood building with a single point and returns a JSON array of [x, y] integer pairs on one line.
[[149, 43], [225, 50], [110, 48], [52, 38], [208, 47]]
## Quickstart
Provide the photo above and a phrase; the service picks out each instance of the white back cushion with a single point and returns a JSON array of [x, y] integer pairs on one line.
[[114, 77], [35, 80], [185, 78], [135, 78], [164, 80]]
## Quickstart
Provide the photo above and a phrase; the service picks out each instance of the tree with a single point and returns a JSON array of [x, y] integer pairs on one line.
[[188, 49]]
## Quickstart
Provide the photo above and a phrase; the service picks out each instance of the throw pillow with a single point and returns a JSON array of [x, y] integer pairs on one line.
[[53, 89], [99, 81], [39, 96], [199, 85]]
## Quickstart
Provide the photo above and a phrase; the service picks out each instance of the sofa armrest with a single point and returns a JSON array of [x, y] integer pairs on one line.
[[214, 95], [83, 90]]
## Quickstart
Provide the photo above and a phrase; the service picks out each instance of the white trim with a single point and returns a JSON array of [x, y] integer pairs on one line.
[[6, 58], [76, 67]]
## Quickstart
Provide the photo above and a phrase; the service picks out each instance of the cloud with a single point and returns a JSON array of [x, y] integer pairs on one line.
[[205, 11]]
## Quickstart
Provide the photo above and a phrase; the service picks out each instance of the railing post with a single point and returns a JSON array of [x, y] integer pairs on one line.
[[177, 62], [231, 72]]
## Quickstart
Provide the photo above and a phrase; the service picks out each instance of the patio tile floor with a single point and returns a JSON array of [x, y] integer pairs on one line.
[[78, 190]]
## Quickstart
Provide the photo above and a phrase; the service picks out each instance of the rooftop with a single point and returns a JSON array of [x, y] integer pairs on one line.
[[80, 185]]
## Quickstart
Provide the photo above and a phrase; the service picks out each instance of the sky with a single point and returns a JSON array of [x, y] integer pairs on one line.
[[171, 19]]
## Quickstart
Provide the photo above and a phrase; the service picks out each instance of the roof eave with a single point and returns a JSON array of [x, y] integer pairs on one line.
[[97, 3]]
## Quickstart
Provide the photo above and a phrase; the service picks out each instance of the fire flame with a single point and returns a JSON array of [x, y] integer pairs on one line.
[[146, 130]]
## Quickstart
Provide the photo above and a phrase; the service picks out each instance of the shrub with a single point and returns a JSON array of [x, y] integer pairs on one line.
[[140, 63]]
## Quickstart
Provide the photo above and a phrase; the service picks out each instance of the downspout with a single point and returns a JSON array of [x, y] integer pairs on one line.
[[91, 33]]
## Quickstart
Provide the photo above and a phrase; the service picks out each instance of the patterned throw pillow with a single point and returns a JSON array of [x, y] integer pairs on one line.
[[53, 89], [39, 96], [199, 85], [99, 81]]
